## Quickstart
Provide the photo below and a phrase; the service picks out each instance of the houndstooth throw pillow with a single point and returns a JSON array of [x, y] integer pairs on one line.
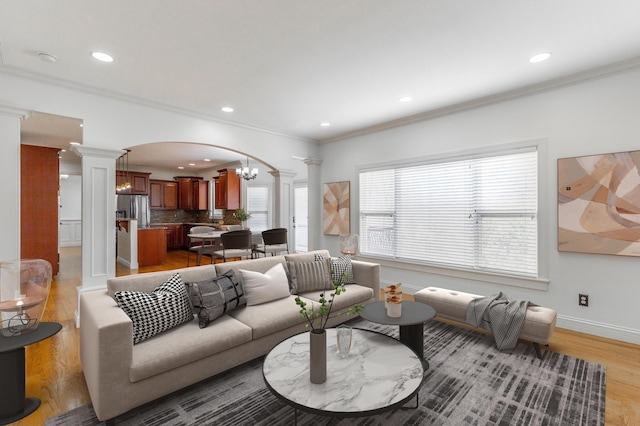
[[152, 313], [341, 269]]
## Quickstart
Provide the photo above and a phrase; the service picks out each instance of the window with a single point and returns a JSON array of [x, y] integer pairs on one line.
[[475, 213], [258, 206]]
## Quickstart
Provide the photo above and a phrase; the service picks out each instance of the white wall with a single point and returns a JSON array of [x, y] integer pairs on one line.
[[112, 123], [594, 117]]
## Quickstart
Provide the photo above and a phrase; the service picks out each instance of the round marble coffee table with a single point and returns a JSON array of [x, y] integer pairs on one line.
[[379, 374]]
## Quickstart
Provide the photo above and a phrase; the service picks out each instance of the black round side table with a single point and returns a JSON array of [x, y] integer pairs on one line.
[[414, 315], [13, 403]]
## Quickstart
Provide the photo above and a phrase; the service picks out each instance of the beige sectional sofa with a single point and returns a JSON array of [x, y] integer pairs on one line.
[[121, 376]]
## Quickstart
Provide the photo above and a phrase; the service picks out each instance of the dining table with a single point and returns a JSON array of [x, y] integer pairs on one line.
[[206, 238], [213, 238]]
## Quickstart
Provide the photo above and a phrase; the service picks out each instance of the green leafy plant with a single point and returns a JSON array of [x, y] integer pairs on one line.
[[241, 214], [318, 319]]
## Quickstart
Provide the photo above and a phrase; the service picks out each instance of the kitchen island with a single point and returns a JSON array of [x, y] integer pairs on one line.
[[152, 246]]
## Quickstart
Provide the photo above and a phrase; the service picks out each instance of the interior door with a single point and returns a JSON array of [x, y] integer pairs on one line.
[[39, 191]]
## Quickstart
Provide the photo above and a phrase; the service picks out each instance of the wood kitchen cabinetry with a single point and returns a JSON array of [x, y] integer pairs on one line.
[[39, 187], [193, 193], [175, 237], [139, 182], [227, 190], [163, 194]]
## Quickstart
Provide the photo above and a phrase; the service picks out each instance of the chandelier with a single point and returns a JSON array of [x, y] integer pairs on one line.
[[121, 172], [245, 174]]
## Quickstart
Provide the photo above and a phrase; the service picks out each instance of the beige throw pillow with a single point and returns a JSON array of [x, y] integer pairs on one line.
[[261, 288], [309, 276]]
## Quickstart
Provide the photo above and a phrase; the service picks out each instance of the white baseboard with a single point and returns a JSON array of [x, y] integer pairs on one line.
[[608, 331]]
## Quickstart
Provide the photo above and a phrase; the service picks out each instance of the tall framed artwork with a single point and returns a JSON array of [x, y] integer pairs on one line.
[[599, 204], [336, 208]]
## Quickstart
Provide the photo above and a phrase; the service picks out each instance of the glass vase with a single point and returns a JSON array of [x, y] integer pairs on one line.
[[24, 289]]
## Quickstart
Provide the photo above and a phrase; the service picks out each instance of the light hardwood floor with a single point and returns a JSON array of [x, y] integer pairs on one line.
[[54, 372]]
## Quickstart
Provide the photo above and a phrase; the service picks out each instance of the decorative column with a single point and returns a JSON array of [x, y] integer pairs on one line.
[[98, 217], [10, 177], [283, 201], [314, 188]]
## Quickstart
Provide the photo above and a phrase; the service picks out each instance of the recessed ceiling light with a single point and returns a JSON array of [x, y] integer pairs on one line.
[[181, 168], [227, 109], [207, 159], [540, 57], [406, 99], [101, 56], [192, 164], [325, 124]]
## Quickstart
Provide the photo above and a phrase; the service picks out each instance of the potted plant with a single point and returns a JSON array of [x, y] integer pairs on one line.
[[317, 321], [242, 216]]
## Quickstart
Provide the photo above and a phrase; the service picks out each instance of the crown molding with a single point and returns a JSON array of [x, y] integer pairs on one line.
[[16, 72], [569, 80]]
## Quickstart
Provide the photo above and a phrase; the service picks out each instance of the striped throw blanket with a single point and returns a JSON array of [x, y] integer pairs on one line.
[[500, 315]]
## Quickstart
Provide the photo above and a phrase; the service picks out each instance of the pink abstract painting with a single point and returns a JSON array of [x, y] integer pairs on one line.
[[599, 204]]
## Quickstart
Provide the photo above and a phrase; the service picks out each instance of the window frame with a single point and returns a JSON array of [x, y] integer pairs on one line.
[[540, 282]]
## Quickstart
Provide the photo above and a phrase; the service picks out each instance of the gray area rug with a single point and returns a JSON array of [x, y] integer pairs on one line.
[[469, 382]]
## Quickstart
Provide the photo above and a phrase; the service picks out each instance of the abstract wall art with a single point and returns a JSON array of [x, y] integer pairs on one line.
[[599, 204], [336, 208]]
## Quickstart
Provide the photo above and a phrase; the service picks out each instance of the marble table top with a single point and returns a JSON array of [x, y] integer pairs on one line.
[[379, 374]]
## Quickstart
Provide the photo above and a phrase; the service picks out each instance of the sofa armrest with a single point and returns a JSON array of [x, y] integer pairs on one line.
[[106, 347], [367, 274]]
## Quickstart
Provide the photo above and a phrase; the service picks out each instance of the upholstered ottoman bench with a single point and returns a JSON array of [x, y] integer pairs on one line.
[[538, 326]]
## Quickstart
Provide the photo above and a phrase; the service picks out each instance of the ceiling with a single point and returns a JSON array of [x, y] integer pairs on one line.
[[286, 66]]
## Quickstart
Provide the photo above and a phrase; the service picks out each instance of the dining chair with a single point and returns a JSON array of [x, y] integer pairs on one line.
[[234, 244], [197, 245], [274, 241]]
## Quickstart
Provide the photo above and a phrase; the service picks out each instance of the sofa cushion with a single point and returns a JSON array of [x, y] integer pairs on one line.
[[212, 298], [269, 318], [261, 288], [352, 295], [341, 269], [185, 344], [309, 276], [165, 307]]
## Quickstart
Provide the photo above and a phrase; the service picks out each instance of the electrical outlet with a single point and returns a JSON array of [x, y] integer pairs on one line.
[[583, 299]]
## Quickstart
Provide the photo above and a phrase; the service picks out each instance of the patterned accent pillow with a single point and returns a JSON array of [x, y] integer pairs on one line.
[[213, 298], [309, 276], [339, 267], [152, 313]]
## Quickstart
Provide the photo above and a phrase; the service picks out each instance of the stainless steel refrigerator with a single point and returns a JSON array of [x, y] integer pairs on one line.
[[135, 207]]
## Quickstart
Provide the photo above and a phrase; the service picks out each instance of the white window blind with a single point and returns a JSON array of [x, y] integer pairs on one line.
[[258, 206], [473, 213]]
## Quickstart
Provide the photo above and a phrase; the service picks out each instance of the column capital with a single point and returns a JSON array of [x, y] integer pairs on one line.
[[91, 151]]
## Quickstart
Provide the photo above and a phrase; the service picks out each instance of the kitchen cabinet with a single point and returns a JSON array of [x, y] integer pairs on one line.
[[139, 182], [193, 193], [163, 194], [227, 190], [175, 238]]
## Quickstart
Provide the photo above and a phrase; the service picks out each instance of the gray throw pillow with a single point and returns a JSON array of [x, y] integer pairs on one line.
[[165, 307], [215, 297], [309, 276]]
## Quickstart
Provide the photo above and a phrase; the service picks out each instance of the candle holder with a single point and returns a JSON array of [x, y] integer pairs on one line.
[[24, 289]]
